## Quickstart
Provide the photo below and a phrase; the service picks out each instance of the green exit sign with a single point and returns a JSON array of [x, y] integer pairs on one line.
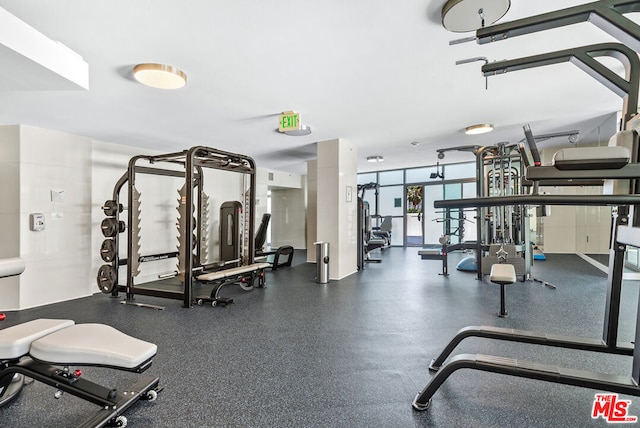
[[289, 121]]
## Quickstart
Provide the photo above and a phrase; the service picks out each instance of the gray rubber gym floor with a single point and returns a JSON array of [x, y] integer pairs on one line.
[[351, 353]]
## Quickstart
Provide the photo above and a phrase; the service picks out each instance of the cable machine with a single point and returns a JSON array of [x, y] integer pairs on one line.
[[625, 219]]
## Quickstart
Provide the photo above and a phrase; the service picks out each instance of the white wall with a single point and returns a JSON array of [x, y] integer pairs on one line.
[[288, 208], [57, 258], [9, 211], [288, 218]]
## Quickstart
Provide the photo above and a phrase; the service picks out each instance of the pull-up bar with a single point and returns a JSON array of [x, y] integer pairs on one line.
[[585, 59], [605, 14]]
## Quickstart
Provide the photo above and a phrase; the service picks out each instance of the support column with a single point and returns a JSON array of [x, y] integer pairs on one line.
[[312, 209], [337, 189]]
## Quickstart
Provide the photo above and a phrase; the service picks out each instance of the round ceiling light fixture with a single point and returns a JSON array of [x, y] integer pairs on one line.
[[302, 131], [160, 76], [376, 158], [469, 15], [481, 128]]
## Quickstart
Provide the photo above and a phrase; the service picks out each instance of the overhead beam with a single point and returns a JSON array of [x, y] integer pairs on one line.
[[32, 61]]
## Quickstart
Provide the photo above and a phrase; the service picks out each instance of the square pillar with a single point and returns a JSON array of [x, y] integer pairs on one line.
[[337, 200]]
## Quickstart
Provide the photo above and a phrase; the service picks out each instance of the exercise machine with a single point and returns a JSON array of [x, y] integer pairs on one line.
[[384, 230], [441, 250], [606, 165], [272, 256], [367, 241]]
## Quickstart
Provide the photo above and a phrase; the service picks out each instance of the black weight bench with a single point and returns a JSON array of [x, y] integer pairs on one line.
[[246, 276]]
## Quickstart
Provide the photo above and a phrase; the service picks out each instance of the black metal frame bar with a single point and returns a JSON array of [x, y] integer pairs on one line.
[[112, 402], [585, 59], [526, 369]]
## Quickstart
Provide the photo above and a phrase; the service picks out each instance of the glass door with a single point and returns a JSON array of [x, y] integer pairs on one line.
[[414, 235], [432, 224]]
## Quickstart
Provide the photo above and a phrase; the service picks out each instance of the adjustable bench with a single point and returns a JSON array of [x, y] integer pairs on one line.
[[43, 350], [246, 276]]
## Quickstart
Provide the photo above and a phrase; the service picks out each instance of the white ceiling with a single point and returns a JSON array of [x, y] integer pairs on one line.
[[379, 74]]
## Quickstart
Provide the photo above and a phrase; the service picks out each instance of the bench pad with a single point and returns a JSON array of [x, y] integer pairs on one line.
[[591, 158], [15, 341], [92, 344], [503, 273], [222, 274]]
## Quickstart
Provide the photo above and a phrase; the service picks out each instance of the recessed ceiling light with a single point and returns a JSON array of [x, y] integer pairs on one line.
[[375, 159], [481, 128], [160, 76], [414, 143]]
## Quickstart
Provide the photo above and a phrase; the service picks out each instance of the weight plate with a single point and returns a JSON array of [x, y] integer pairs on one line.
[[108, 250], [106, 279]]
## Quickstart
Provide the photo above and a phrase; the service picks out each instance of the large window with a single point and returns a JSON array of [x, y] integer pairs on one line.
[[418, 222]]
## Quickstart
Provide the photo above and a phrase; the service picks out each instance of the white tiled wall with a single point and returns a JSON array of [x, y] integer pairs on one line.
[[9, 211], [57, 258]]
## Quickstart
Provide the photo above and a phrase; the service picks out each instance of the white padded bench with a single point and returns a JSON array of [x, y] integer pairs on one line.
[[92, 344], [228, 273], [240, 275], [502, 274], [65, 343], [16, 341]]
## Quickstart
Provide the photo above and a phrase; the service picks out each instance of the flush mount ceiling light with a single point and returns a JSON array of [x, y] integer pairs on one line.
[[303, 130], [160, 76], [375, 159], [468, 15], [481, 128]]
